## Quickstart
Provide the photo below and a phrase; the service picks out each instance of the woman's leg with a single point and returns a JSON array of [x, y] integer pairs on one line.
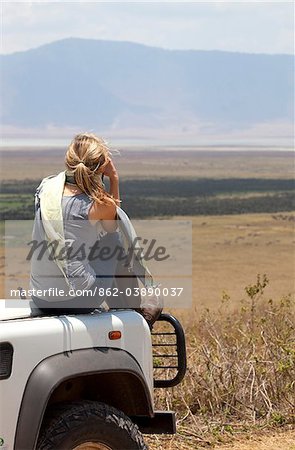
[[113, 274], [72, 306], [126, 284]]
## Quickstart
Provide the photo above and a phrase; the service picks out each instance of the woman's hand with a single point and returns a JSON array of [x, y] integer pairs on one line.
[[110, 170]]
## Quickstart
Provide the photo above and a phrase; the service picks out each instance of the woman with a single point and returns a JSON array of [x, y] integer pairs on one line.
[[88, 218]]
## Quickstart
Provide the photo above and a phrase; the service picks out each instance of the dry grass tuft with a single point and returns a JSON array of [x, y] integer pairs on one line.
[[241, 372]]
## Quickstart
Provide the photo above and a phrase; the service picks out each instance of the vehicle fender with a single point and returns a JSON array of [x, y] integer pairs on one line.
[[52, 371]]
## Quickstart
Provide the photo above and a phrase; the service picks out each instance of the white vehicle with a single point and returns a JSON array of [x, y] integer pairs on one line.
[[79, 382]]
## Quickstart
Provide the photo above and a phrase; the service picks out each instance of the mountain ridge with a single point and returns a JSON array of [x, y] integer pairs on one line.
[[143, 45], [78, 82]]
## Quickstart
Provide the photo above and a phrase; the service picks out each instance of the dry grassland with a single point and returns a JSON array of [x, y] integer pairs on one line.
[[228, 253], [146, 163]]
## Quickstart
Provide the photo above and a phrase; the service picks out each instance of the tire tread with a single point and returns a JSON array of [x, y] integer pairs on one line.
[[63, 417]]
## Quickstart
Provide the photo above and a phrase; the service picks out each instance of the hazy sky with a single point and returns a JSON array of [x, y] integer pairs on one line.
[[255, 27]]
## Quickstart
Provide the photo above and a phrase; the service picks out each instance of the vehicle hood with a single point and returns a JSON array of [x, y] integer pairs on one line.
[[17, 309]]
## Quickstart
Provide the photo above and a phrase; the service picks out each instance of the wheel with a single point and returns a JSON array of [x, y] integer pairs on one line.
[[89, 426]]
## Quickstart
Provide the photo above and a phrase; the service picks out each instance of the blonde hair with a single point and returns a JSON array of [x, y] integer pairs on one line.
[[85, 157]]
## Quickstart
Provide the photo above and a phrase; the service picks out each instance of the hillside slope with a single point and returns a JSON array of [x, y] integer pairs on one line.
[[90, 83]]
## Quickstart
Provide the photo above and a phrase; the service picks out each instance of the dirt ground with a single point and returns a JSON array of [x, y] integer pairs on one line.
[[280, 440]]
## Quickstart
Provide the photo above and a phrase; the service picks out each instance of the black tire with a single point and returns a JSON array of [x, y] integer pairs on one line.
[[73, 424]]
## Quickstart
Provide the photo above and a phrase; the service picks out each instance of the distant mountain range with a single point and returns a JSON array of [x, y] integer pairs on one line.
[[94, 84]]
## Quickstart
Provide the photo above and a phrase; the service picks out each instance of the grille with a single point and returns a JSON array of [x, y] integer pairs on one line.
[[6, 354], [169, 353]]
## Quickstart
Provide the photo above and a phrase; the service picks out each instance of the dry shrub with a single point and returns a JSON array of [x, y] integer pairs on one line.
[[241, 371]]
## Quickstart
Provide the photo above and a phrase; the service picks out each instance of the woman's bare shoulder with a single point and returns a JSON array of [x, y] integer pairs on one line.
[[103, 211]]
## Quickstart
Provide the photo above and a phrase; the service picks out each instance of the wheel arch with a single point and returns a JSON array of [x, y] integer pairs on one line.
[[105, 374]]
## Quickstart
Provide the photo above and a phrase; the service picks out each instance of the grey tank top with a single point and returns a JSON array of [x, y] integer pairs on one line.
[[80, 236], [76, 206]]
